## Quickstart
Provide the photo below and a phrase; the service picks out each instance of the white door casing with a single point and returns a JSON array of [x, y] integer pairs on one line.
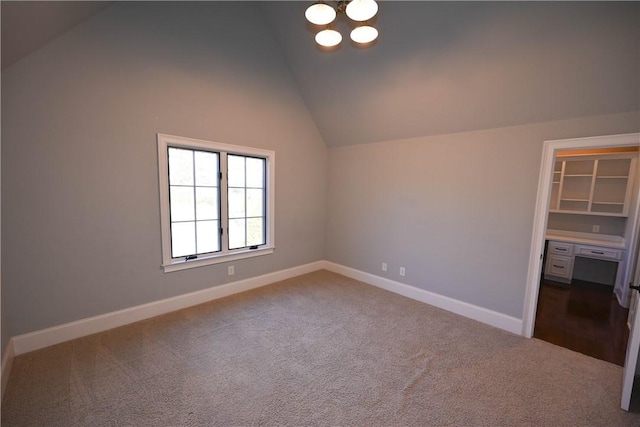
[[542, 208], [633, 344], [633, 347], [550, 148]]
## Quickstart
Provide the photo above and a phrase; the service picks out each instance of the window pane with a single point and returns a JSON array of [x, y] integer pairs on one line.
[[182, 208], [236, 203], [236, 233], [215, 201], [206, 203], [255, 231], [255, 202], [255, 172], [235, 166], [206, 169], [208, 236], [183, 239], [180, 166]]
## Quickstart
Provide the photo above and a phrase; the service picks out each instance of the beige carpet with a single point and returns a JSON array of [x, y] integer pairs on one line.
[[320, 349]]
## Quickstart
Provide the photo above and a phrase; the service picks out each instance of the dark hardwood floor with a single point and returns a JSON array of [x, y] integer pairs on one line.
[[583, 317]]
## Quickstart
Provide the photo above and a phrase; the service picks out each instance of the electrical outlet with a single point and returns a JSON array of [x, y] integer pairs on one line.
[[231, 270], [384, 266], [596, 228], [402, 271]]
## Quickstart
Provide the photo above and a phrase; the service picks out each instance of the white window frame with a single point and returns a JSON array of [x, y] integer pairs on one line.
[[224, 255]]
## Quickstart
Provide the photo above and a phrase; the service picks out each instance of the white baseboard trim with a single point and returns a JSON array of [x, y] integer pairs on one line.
[[54, 335], [484, 315], [36, 340], [7, 361]]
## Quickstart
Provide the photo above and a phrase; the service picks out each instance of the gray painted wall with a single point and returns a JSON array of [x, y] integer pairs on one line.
[[455, 210], [80, 220]]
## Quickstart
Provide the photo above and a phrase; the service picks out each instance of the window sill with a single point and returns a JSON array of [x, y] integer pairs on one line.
[[216, 259]]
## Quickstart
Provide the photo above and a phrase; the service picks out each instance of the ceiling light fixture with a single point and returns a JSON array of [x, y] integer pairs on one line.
[[328, 38], [320, 13], [364, 34], [323, 14], [361, 10]]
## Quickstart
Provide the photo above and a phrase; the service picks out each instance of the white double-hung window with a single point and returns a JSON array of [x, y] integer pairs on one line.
[[216, 202]]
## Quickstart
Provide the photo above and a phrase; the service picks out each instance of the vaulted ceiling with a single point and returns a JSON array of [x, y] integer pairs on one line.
[[437, 67], [29, 25]]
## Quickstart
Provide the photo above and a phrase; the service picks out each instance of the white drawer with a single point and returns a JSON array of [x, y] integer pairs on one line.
[[559, 266], [598, 252], [560, 248]]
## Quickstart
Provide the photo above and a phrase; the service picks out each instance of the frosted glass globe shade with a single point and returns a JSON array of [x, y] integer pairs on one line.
[[361, 10], [320, 14], [364, 34], [328, 38]]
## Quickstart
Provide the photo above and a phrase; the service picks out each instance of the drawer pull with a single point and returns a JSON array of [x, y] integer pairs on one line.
[[558, 266], [561, 249], [597, 252]]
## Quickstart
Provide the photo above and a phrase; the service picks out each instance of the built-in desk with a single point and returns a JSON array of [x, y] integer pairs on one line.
[[603, 240], [565, 246]]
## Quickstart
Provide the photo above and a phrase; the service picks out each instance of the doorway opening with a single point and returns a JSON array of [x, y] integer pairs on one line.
[[628, 256], [589, 221], [548, 186]]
